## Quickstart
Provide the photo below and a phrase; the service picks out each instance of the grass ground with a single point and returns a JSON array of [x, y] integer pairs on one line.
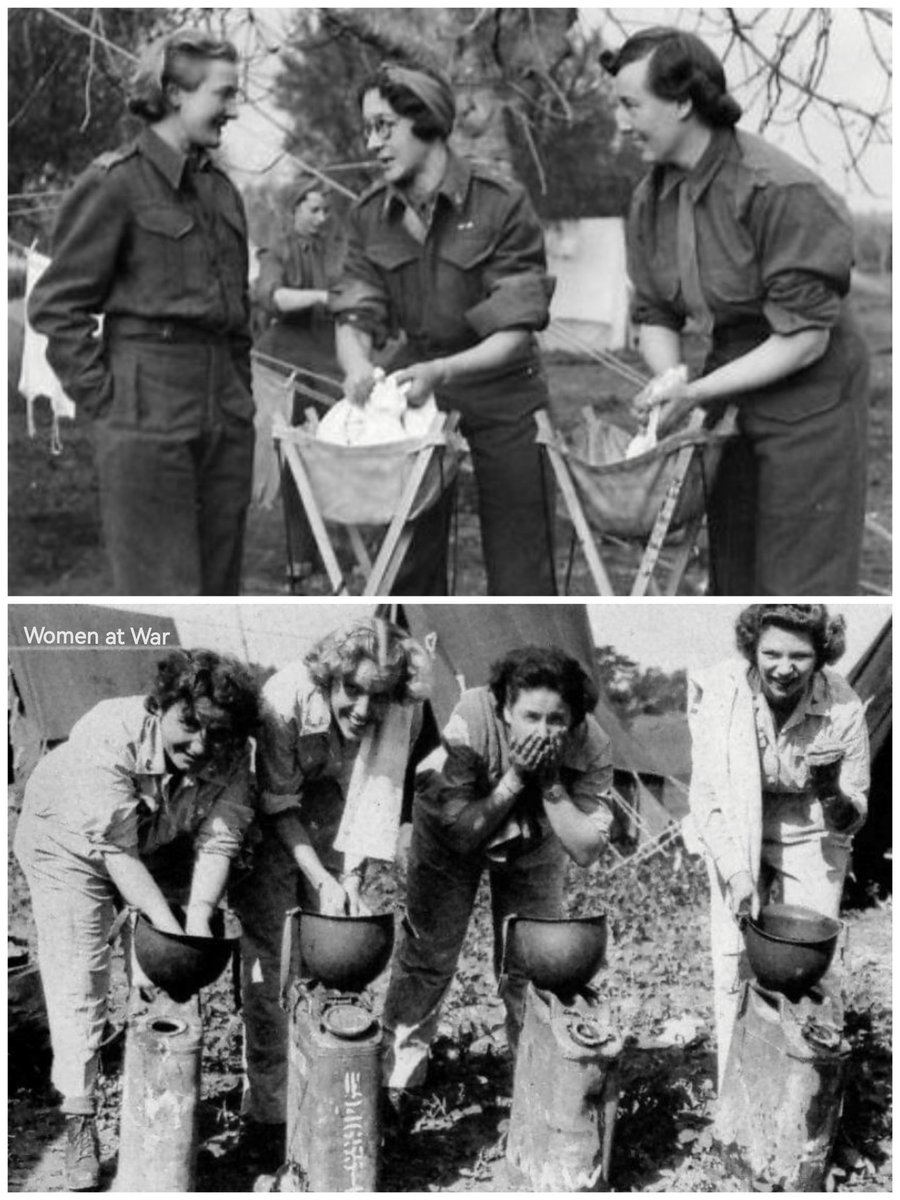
[[655, 992]]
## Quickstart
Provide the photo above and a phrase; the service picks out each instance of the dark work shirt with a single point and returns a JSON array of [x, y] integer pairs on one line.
[[144, 233], [774, 252], [481, 267], [774, 243]]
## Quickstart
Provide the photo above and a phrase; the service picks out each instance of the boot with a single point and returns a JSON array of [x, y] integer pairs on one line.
[[82, 1154]]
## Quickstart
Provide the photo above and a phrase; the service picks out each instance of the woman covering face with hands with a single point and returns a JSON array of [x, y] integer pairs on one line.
[[519, 786]]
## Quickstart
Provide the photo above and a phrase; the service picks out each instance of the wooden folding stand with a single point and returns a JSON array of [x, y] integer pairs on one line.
[[381, 573], [645, 582]]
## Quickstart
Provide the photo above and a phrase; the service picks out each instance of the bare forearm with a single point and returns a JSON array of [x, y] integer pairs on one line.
[[295, 838], [579, 833], [139, 889], [474, 822], [293, 300], [775, 359], [208, 883], [660, 347], [495, 351], [354, 348]]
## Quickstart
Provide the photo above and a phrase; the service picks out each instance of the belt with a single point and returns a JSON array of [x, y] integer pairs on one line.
[[156, 329]]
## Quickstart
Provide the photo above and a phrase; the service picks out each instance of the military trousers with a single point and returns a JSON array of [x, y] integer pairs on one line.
[[174, 452], [441, 887]]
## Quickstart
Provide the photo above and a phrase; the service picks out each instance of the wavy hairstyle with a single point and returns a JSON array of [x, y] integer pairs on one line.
[[681, 67], [186, 676], [826, 633], [403, 667], [178, 58], [430, 122], [543, 667]]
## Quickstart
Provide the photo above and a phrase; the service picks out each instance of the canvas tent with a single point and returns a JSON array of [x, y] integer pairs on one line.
[[465, 640], [872, 680], [55, 687], [586, 258]]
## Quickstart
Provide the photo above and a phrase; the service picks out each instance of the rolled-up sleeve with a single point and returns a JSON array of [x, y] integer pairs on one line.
[[804, 241], [592, 785], [225, 826], [515, 276], [280, 776], [360, 297]]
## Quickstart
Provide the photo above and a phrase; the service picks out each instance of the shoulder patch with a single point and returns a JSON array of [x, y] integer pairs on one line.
[[112, 158]]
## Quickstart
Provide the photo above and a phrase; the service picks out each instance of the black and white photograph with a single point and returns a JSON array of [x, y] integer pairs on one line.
[[449, 301], [449, 600], [450, 897]]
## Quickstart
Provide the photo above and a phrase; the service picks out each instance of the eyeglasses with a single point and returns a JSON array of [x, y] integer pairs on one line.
[[380, 128]]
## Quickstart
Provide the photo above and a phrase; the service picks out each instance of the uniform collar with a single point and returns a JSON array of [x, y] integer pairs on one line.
[[454, 187], [171, 163], [151, 758], [701, 175], [814, 703]]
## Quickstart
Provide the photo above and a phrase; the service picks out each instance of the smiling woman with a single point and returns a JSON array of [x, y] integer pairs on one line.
[[153, 236], [753, 250], [146, 804], [780, 778]]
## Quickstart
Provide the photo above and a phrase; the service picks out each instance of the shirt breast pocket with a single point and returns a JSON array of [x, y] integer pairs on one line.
[[167, 244]]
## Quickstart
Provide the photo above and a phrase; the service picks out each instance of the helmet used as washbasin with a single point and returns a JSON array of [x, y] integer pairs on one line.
[[180, 963], [790, 947], [346, 953], [558, 955]]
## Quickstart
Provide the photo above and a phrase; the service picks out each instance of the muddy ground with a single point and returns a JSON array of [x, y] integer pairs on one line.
[[54, 531], [656, 989]]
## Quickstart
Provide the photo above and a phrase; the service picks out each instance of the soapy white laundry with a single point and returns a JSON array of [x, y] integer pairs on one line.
[[385, 417]]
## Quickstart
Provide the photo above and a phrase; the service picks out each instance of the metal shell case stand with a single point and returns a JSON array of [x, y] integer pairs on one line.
[[781, 1099], [334, 1090], [565, 1096], [158, 1137]]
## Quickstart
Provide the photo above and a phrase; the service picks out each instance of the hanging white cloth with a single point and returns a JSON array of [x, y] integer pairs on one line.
[[371, 820], [36, 377]]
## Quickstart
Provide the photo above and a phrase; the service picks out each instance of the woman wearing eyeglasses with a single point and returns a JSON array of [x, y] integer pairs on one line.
[[145, 804], [453, 256]]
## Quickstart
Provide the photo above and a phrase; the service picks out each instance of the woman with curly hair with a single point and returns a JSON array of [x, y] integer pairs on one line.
[[518, 788], [359, 686], [779, 779], [145, 804], [754, 251]]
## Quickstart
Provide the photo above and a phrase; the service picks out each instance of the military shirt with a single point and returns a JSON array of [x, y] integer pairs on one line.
[[473, 758], [829, 716], [145, 232], [110, 783], [774, 250], [481, 267]]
